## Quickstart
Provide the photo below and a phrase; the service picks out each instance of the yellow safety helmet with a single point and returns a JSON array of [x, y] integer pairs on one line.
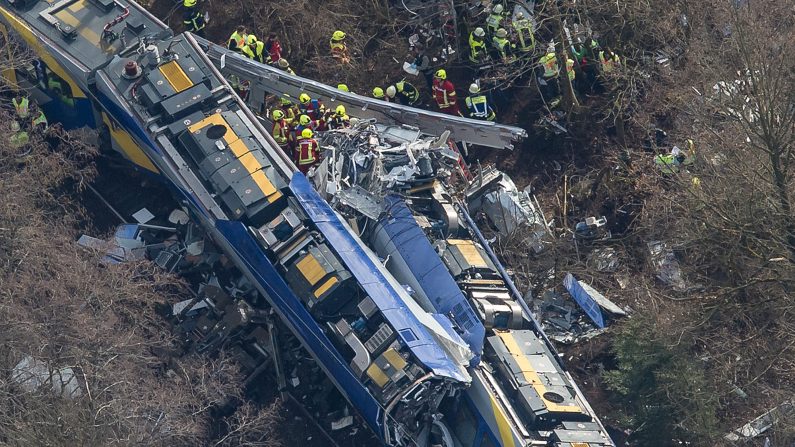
[[304, 98], [441, 74], [307, 133], [251, 39], [340, 110], [278, 114], [378, 92], [283, 63], [343, 87], [285, 101], [338, 35], [304, 120]]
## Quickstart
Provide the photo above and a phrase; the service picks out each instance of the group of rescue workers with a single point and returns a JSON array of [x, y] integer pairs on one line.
[[504, 36]]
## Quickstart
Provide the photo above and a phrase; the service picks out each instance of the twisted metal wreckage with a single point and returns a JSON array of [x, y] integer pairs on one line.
[[382, 276]]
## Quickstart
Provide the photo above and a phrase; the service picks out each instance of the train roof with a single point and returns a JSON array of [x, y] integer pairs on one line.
[[90, 31]]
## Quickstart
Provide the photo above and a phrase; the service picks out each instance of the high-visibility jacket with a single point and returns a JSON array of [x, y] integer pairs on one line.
[[338, 49], [407, 94], [493, 22], [550, 63], [502, 44], [307, 152], [19, 138], [608, 63], [22, 108], [477, 49], [667, 163], [524, 30], [280, 129], [255, 53], [570, 69], [41, 120], [237, 41], [479, 108], [194, 19]]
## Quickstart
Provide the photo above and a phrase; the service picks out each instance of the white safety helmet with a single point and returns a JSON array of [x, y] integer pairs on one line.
[[551, 47], [501, 33], [519, 15], [479, 32], [474, 88], [391, 91], [498, 9]]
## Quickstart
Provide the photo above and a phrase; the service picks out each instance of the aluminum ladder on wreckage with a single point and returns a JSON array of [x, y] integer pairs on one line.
[[266, 79]]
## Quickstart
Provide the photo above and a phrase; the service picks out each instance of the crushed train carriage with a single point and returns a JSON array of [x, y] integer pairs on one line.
[[404, 362]]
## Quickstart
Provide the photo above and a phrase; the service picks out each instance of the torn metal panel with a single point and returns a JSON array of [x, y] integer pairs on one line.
[[399, 239], [494, 193], [267, 79], [584, 299]]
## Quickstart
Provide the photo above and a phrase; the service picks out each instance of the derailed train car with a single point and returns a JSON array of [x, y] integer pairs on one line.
[[404, 196], [452, 359], [158, 100]]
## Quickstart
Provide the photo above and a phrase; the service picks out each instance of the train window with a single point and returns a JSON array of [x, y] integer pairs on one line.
[[59, 88], [465, 426]]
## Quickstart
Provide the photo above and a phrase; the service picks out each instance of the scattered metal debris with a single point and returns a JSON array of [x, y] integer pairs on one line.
[[32, 374], [763, 423], [493, 193], [666, 265]]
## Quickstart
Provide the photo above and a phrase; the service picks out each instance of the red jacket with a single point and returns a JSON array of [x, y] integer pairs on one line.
[[444, 95], [307, 154], [274, 49]]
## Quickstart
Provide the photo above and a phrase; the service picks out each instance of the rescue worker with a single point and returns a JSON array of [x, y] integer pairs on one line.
[[312, 107], [404, 92], [280, 130], [524, 33], [378, 93], [343, 87], [307, 153], [285, 65], [444, 94], [340, 119], [238, 39], [548, 82], [18, 138], [477, 47], [669, 163], [21, 106], [339, 50], [608, 61], [193, 17], [274, 48], [494, 20], [478, 105], [571, 73], [304, 122], [423, 64], [502, 44], [288, 109], [254, 49]]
